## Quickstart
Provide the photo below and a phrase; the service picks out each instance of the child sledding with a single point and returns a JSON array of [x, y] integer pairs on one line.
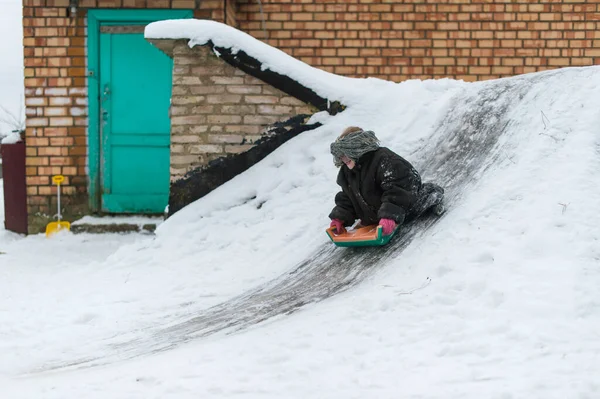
[[380, 189]]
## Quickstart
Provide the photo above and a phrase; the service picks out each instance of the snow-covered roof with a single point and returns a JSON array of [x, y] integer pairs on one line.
[[327, 85]]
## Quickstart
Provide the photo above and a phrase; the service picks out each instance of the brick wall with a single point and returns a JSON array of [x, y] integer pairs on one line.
[[408, 39], [389, 39], [217, 109], [231, 13], [56, 104], [56, 97]]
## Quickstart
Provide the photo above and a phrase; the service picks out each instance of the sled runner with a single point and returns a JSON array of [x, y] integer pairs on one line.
[[365, 236]]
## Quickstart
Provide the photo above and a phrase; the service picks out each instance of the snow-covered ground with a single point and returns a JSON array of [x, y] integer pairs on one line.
[[499, 299]]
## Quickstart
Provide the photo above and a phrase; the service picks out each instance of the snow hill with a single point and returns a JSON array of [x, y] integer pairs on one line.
[[240, 294]]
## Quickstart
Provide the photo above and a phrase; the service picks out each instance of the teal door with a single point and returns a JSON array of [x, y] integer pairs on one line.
[[129, 91], [135, 90]]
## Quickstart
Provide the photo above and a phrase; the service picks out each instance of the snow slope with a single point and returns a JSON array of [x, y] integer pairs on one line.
[[497, 299]]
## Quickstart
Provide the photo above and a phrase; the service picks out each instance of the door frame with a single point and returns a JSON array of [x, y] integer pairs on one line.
[[96, 18]]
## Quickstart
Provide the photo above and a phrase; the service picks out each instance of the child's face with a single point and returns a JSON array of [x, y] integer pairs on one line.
[[349, 162]]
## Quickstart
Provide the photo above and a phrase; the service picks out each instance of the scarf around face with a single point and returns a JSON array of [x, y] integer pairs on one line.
[[353, 145]]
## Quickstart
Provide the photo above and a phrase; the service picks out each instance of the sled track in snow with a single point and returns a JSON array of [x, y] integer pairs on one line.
[[466, 143]]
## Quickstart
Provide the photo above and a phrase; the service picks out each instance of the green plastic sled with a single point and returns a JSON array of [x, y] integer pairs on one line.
[[365, 236]]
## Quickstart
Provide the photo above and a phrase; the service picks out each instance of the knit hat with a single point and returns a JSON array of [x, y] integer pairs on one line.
[[353, 145]]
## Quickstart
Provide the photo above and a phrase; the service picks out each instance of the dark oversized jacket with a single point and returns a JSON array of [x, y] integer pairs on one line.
[[381, 185]]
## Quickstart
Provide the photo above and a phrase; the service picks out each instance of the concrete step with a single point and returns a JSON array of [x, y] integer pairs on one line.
[[116, 224]]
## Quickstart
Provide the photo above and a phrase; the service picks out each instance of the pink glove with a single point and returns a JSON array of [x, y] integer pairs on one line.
[[339, 226], [388, 226]]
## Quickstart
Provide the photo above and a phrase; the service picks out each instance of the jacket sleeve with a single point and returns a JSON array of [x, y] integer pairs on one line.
[[343, 210], [400, 184]]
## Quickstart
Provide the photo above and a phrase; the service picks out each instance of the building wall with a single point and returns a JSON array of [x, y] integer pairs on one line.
[[421, 39], [56, 98], [231, 13], [389, 39], [219, 110]]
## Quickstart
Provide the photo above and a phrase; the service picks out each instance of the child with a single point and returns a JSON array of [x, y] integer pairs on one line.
[[378, 185]]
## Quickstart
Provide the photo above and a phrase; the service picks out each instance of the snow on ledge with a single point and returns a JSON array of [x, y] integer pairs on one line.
[[134, 220], [12, 138], [199, 32]]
